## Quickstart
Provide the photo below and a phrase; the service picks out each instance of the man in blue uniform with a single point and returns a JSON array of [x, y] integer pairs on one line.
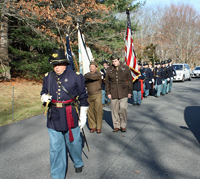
[[148, 79], [158, 78], [165, 77], [60, 88], [138, 88], [172, 72]]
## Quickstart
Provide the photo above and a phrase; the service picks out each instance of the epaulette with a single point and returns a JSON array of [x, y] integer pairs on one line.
[[78, 73], [46, 74]]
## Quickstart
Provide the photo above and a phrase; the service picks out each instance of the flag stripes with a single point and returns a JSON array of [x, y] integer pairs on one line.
[[130, 57]]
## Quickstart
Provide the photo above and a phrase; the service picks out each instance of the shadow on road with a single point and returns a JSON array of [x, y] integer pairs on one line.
[[192, 119]]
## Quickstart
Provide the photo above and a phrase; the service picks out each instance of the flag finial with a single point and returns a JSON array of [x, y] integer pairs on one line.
[[127, 11]]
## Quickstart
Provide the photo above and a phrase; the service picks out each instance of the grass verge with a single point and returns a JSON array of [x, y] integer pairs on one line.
[[26, 100]]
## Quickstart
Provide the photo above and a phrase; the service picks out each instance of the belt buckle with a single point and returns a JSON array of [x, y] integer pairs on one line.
[[59, 105]]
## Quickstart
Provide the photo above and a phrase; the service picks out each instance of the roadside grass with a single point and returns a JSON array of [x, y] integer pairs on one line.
[[26, 100]]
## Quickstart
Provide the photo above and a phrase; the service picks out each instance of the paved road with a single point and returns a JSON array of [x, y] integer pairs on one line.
[[162, 141]]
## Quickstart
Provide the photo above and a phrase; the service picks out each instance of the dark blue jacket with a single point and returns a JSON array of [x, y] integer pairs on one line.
[[103, 70], [172, 71], [148, 77], [137, 83], [75, 84], [166, 72], [159, 76]]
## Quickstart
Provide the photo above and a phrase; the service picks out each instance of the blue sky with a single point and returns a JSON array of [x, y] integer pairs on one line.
[[194, 3]]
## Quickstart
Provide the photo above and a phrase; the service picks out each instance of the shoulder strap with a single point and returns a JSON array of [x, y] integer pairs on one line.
[[49, 83]]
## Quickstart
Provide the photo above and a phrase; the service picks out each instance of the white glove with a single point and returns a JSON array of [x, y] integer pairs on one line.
[[102, 74], [163, 82], [168, 79], [150, 82], [153, 80], [83, 115], [45, 98]]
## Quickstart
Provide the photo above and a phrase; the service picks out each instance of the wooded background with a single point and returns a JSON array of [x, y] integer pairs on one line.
[[31, 29]]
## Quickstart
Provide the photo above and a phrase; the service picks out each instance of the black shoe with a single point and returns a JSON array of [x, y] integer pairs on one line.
[[134, 104], [166, 93], [163, 94], [79, 170], [145, 96], [139, 104]]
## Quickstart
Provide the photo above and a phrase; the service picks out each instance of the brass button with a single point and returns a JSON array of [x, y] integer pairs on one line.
[[58, 89], [58, 97], [58, 93]]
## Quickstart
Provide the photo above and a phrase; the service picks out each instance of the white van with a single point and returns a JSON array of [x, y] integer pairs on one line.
[[183, 72]]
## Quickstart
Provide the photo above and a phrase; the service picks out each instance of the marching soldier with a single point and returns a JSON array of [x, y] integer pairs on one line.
[[59, 92], [172, 72], [158, 78], [152, 84], [165, 77], [148, 79], [103, 90], [95, 112], [138, 88], [119, 88]]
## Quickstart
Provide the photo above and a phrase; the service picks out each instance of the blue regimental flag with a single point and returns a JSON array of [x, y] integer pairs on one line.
[[69, 54]]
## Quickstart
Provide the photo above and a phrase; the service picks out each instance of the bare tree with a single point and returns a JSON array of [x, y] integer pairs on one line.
[[175, 29]]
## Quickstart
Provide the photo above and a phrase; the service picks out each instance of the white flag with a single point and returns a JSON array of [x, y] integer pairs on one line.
[[85, 55]]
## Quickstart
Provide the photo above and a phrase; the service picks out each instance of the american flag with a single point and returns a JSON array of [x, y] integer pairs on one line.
[[130, 57]]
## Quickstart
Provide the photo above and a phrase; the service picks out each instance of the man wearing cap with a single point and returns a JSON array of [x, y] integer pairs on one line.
[[148, 79], [119, 88], [165, 77], [152, 87], [158, 78], [138, 88], [93, 83], [59, 92], [103, 90], [172, 72]]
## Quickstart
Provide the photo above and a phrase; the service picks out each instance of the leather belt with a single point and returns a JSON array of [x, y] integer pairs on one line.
[[61, 105], [158, 76]]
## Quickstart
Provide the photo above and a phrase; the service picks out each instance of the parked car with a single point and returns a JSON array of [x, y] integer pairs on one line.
[[183, 72], [196, 72]]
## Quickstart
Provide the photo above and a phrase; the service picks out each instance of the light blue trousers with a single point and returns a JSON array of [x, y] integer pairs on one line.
[[158, 88], [164, 87], [58, 151], [104, 97], [170, 84], [137, 97], [146, 91]]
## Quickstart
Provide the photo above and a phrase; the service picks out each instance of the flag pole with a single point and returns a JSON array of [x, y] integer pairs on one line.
[[13, 103]]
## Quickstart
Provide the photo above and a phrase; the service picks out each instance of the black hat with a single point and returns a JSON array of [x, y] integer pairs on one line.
[[157, 63], [104, 61], [145, 63], [166, 62], [163, 62], [139, 63], [58, 56], [169, 60]]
